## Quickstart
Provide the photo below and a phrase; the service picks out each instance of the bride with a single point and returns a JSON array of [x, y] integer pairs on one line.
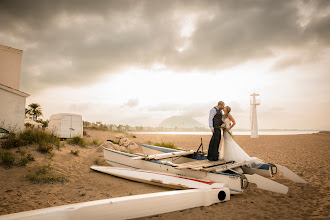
[[230, 150]]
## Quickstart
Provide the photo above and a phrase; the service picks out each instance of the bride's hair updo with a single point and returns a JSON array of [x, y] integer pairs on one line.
[[228, 111]]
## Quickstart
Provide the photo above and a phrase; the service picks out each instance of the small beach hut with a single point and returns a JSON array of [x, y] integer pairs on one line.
[[66, 125]]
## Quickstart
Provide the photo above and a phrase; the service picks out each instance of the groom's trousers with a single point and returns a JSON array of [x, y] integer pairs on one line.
[[213, 152]]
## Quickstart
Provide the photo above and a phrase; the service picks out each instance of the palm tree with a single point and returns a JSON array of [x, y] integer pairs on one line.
[[27, 111], [35, 110]]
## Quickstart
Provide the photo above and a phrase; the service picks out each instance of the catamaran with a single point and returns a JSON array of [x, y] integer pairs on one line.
[[188, 163]]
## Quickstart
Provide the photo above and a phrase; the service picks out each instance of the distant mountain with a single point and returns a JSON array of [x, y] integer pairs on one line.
[[181, 122]]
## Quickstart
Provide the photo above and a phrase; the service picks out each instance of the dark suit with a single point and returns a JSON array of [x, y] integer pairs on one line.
[[213, 152]]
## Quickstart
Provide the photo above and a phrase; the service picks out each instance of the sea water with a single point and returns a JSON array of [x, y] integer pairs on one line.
[[270, 132]]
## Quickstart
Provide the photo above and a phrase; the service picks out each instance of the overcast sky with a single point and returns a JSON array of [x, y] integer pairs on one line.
[[139, 62]]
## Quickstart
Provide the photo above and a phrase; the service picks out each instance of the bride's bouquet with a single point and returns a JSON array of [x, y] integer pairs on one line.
[[223, 127]]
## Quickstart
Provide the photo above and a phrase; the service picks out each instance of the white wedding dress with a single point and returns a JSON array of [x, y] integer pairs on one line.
[[230, 150]]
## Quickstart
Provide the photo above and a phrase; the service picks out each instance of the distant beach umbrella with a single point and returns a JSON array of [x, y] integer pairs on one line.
[[254, 123]]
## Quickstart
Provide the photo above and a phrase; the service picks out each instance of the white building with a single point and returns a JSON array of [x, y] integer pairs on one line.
[[12, 100]]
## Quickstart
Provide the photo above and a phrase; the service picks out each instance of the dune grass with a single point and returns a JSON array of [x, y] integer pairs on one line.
[[95, 142], [7, 159], [30, 137], [25, 158], [97, 161], [166, 144], [42, 174], [44, 147], [77, 141], [75, 152]]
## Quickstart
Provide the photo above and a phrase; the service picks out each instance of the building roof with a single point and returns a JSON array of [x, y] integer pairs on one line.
[[14, 50], [12, 90]]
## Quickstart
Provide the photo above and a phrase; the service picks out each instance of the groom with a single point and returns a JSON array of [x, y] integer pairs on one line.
[[215, 120]]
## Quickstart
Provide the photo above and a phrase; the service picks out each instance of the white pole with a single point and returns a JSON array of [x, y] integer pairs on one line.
[[254, 122]]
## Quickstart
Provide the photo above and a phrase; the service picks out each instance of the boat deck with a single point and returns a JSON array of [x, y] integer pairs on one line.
[[210, 166], [200, 165]]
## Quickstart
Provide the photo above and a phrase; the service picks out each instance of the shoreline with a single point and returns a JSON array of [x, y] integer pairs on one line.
[[246, 133]]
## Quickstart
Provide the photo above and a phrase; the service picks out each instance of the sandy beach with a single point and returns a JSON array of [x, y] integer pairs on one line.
[[306, 155]]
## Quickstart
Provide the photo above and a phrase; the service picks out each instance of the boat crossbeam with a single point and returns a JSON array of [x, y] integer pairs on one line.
[[227, 166], [200, 165], [165, 155]]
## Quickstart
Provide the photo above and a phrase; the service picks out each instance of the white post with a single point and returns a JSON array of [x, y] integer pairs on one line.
[[128, 207], [254, 123]]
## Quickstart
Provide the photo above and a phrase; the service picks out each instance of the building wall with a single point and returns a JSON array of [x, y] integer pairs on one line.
[[10, 66], [12, 111]]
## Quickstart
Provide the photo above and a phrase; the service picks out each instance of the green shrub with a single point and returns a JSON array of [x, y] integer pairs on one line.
[[23, 161], [29, 137], [42, 174], [166, 144], [44, 147], [134, 136], [13, 141], [77, 141], [7, 159], [21, 152], [51, 155], [95, 142], [75, 152], [97, 161], [26, 159]]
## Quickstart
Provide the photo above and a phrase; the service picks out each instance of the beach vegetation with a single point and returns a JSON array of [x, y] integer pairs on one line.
[[95, 142], [12, 141], [97, 161], [7, 159], [44, 147], [131, 151], [44, 123], [166, 144], [25, 159], [43, 174], [77, 141], [51, 155], [29, 137], [75, 152]]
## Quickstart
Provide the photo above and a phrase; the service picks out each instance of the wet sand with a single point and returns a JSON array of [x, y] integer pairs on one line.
[[306, 155]]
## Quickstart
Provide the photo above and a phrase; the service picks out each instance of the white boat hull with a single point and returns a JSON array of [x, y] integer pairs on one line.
[[264, 170], [121, 159], [157, 178], [128, 207]]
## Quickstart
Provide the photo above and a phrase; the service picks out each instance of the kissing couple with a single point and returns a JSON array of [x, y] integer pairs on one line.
[[220, 119]]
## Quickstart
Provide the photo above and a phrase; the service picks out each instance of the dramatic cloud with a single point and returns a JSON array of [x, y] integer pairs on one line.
[[80, 43], [74, 42]]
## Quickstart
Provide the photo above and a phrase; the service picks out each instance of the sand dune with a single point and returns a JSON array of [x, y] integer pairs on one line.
[[307, 155]]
